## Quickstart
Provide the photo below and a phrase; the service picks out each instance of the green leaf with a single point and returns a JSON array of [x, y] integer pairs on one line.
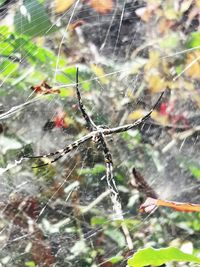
[[157, 257], [98, 220], [179, 69], [170, 42], [194, 40], [6, 49], [4, 31], [63, 78], [116, 259], [195, 171], [30, 264], [116, 236], [32, 19], [8, 67], [133, 135], [97, 169], [2, 1]]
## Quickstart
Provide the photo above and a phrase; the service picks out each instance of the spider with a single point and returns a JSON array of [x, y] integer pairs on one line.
[[97, 134]]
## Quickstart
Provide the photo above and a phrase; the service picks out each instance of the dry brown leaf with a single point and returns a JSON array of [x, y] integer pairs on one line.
[[198, 3], [102, 6], [144, 13], [193, 61], [99, 72], [137, 114], [154, 60], [153, 78], [161, 119], [41, 252], [150, 11], [156, 83], [185, 5], [76, 24], [165, 25], [63, 5], [152, 203]]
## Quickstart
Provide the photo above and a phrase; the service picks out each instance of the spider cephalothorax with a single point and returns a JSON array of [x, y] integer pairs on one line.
[[97, 133]]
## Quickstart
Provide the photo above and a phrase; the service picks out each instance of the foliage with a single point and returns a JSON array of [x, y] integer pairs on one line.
[[127, 52], [157, 257]]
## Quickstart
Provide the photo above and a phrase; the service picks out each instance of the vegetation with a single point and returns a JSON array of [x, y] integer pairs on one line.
[[128, 53]]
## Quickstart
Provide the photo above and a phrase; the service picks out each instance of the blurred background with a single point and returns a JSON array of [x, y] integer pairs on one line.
[[127, 52]]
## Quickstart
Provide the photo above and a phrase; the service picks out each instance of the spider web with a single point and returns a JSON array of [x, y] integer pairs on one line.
[[64, 210]]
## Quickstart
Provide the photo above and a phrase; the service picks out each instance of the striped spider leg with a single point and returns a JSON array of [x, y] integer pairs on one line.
[[135, 124], [94, 129], [114, 193], [97, 134], [90, 124], [61, 152], [100, 140]]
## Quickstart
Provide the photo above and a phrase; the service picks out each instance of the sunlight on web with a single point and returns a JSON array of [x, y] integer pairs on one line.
[[127, 54]]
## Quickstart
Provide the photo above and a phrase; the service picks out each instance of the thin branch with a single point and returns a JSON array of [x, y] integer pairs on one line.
[[95, 202], [127, 236], [181, 136]]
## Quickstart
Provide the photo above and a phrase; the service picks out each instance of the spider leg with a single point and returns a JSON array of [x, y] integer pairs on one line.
[[65, 150], [127, 127], [52, 154], [44, 156], [61, 152], [46, 164], [157, 102], [90, 124], [114, 193]]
